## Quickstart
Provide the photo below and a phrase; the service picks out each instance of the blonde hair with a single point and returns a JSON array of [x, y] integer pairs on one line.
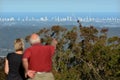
[[19, 44]]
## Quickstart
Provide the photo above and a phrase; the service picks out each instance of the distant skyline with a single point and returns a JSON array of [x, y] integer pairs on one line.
[[59, 5]]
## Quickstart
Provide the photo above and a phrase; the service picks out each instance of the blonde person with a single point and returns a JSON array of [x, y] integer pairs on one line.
[[13, 62]]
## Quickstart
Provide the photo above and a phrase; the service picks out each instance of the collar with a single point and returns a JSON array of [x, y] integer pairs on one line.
[[36, 44]]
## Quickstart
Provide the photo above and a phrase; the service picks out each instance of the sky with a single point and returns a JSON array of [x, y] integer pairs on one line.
[[59, 5]]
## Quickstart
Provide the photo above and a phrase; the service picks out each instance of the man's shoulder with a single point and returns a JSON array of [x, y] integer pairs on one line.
[[42, 46], [39, 46], [48, 46], [28, 49]]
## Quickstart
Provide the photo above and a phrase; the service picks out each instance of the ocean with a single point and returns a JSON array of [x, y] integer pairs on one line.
[[19, 25]]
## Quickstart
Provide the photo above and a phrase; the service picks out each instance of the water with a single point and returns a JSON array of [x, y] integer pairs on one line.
[[19, 25]]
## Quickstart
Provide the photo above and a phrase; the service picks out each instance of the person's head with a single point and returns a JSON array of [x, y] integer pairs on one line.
[[19, 44], [34, 38]]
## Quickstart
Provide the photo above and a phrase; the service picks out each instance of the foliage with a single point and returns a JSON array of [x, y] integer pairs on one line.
[[83, 53], [2, 74]]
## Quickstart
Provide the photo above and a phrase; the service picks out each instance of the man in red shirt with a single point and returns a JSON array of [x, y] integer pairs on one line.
[[37, 59]]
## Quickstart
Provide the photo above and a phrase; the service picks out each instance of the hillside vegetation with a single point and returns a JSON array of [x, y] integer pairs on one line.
[[83, 53]]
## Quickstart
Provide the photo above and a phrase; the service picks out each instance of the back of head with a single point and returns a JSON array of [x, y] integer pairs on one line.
[[19, 45], [34, 38]]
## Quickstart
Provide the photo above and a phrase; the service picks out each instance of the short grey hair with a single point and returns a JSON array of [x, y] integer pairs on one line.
[[33, 41]]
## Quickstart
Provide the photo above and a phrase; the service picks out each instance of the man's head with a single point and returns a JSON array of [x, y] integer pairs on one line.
[[34, 38]]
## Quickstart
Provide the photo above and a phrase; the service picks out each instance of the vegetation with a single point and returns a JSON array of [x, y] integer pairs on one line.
[[2, 74], [83, 53]]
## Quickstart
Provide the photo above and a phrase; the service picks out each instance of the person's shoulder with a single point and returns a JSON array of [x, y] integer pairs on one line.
[[49, 46], [46, 45], [28, 49], [9, 54]]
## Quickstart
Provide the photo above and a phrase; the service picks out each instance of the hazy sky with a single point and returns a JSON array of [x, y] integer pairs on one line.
[[59, 5]]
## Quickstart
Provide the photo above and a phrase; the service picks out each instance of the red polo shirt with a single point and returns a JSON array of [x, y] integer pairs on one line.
[[39, 57]]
